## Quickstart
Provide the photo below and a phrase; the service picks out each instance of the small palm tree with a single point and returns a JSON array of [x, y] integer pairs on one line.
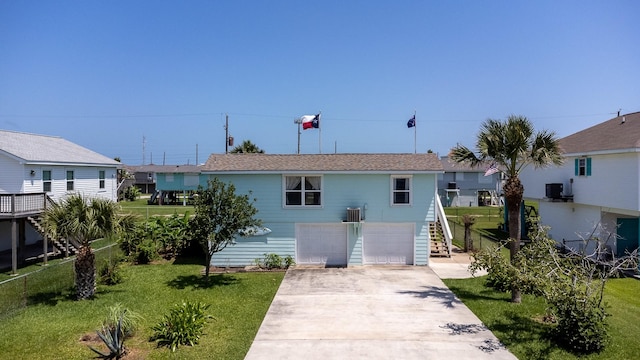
[[80, 219], [510, 146], [247, 147]]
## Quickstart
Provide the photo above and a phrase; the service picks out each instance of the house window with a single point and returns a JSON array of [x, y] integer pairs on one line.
[[46, 180], [101, 178], [303, 190], [69, 180], [583, 167], [401, 190]]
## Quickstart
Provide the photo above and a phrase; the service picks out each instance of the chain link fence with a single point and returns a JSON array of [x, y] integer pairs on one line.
[[479, 241], [44, 284]]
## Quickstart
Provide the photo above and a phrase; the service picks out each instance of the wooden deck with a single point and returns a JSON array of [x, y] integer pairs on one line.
[[21, 205]]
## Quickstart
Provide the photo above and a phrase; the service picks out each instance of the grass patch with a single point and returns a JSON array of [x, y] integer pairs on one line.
[[520, 328], [140, 208], [51, 327]]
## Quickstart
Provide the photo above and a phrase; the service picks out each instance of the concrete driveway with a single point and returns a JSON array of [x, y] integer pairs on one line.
[[370, 312]]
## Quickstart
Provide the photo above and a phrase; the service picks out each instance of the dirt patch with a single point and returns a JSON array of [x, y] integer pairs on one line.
[[92, 339]]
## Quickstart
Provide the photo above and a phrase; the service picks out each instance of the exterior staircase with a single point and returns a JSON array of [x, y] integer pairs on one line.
[[62, 245], [439, 245]]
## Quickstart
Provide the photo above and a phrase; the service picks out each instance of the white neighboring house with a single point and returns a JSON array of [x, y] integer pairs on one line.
[[598, 186], [37, 167]]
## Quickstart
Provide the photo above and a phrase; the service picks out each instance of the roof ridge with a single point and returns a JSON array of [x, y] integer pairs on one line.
[[32, 134]]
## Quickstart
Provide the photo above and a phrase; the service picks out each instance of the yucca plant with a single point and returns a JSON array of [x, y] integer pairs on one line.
[[113, 338], [182, 326]]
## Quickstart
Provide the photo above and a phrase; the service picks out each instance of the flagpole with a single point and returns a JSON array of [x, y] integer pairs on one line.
[[415, 132], [319, 132], [298, 121]]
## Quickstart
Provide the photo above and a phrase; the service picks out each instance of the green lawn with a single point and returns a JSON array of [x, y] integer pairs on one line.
[[518, 326], [51, 326], [142, 209]]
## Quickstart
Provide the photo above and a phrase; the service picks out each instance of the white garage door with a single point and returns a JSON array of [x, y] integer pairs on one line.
[[324, 244], [388, 243]]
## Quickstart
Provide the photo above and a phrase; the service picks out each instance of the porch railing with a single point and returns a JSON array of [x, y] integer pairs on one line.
[[18, 204], [443, 220]]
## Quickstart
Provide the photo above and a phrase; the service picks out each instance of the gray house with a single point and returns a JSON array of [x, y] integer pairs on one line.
[[462, 185]]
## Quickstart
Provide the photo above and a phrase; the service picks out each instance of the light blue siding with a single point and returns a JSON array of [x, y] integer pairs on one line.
[[340, 191]]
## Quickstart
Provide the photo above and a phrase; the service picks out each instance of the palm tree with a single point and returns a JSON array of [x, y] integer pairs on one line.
[[510, 146], [247, 147], [80, 219]]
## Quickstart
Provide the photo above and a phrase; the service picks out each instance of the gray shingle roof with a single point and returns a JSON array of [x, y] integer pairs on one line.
[[323, 162], [613, 134], [452, 166], [33, 148]]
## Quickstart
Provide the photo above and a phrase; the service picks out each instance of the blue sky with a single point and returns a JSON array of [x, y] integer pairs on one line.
[[105, 74]]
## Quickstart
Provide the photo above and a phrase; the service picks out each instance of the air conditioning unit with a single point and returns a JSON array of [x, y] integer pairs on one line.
[[554, 191], [353, 215]]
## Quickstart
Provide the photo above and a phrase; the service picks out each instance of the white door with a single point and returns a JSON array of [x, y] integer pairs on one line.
[[321, 244], [388, 243]]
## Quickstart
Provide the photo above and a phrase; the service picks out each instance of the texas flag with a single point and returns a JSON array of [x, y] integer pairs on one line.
[[310, 121]]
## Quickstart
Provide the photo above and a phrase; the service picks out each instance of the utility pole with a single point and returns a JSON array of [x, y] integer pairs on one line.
[[226, 136], [144, 142]]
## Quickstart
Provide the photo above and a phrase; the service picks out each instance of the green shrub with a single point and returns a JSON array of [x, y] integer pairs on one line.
[[288, 261], [128, 320], [131, 193], [182, 326], [581, 328], [109, 272], [274, 261], [145, 252]]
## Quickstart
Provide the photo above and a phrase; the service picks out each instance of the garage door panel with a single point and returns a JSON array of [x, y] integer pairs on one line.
[[388, 244], [321, 244]]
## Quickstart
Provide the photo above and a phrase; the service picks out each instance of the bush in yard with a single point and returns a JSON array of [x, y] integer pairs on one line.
[[272, 261], [131, 193], [182, 326], [109, 272], [571, 283], [127, 319]]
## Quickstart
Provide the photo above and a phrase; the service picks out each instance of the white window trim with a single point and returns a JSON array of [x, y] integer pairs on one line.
[[50, 181], [302, 206], [102, 181], [72, 181], [392, 190]]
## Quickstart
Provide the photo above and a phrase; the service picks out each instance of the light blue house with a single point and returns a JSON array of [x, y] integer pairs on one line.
[[333, 209]]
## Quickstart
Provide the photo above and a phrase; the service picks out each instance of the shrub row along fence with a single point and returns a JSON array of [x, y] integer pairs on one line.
[[45, 284], [479, 241]]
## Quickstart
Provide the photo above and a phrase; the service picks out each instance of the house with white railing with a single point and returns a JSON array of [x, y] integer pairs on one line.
[[596, 192], [37, 169]]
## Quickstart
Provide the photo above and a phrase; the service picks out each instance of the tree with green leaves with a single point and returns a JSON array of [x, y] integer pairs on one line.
[[80, 220], [247, 147], [220, 216], [510, 146]]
